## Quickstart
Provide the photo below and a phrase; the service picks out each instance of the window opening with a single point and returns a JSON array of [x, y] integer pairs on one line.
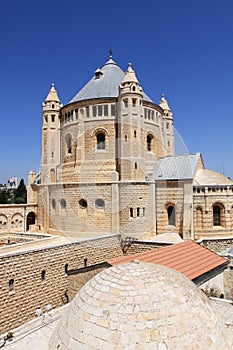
[[131, 212], [99, 203], [216, 216], [100, 141], [43, 275], [125, 103], [171, 215], [83, 203], [149, 141], [100, 111], [94, 111], [105, 110], [63, 204], [11, 285]]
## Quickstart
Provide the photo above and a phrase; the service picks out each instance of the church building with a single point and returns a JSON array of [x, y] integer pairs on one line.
[[109, 166]]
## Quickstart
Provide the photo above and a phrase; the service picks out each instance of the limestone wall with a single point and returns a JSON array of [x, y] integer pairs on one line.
[[13, 217], [39, 276]]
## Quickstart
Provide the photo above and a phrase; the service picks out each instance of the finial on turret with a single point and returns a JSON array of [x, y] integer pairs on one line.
[[110, 53]]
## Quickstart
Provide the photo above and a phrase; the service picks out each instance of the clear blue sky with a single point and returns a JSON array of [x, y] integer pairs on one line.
[[183, 48]]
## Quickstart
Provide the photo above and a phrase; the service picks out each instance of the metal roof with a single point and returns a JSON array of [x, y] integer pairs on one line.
[[105, 84], [188, 257], [176, 167]]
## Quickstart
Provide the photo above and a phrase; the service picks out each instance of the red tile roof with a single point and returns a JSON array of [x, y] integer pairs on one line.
[[187, 257]]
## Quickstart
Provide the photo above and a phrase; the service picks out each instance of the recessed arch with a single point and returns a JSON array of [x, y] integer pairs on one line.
[[31, 219], [171, 215], [149, 139], [68, 140]]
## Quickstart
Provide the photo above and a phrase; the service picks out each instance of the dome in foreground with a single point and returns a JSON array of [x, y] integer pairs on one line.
[[140, 306]]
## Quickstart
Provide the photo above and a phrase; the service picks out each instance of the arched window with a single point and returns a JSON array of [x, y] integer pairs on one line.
[[199, 218], [52, 175], [69, 144], [171, 215], [11, 285], [100, 138], [83, 203], [53, 204], [63, 204], [149, 142], [218, 212]]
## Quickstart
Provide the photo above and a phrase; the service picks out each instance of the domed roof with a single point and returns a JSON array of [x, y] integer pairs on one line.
[[140, 306], [210, 177], [105, 83]]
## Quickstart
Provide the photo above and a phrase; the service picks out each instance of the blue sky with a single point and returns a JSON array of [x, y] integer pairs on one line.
[[178, 47]]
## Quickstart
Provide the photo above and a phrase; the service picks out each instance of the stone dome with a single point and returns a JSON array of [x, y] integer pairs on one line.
[[140, 306], [210, 177]]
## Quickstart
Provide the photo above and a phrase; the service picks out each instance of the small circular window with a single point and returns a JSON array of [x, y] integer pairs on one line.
[[99, 203], [83, 203]]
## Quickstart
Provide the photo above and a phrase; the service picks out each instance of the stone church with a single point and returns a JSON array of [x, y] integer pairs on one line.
[[109, 166]]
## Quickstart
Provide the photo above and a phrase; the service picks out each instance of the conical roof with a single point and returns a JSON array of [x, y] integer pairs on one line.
[[52, 95], [164, 104], [130, 75], [105, 84], [140, 306]]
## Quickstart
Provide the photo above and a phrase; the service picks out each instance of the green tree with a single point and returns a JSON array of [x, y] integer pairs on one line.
[[20, 193], [3, 197]]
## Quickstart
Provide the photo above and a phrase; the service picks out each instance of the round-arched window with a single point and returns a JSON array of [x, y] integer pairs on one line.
[[100, 137], [99, 203], [83, 203], [63, 204], [53, 204]]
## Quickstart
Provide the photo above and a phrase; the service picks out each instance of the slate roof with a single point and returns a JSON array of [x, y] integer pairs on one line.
[[187, 257], [176, 167], [110, 77]]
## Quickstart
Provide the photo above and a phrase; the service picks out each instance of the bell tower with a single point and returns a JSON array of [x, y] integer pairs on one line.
[[131, 153], [50, 137]]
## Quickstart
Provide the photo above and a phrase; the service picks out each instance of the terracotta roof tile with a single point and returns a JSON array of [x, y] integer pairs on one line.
[[187, 257]]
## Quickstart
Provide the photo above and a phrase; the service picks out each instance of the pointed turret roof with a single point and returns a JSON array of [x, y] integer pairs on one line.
[[130, 75], [52, 95], [164, 104], [105, 84]]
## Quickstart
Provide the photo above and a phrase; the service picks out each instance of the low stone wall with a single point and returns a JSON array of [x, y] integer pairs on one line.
[[216, 245]]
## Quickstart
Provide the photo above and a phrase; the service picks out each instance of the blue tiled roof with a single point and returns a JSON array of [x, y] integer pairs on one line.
[[177, 167], [106, 85]]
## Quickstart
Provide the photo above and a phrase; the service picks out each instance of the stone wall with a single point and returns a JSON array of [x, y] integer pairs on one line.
[[216, 245], [228, 283], [13, 217], [34, 278]]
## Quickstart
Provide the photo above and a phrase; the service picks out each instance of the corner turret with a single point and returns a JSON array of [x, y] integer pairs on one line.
[[168, 126]]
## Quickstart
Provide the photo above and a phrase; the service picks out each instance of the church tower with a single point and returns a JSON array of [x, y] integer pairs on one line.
[[131, 153], [168, 128], [50, 137]]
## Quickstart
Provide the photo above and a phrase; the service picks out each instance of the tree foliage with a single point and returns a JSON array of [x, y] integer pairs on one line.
[[17, 196]]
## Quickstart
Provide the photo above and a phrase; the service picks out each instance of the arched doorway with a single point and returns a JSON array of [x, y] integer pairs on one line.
[[31, 219]]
